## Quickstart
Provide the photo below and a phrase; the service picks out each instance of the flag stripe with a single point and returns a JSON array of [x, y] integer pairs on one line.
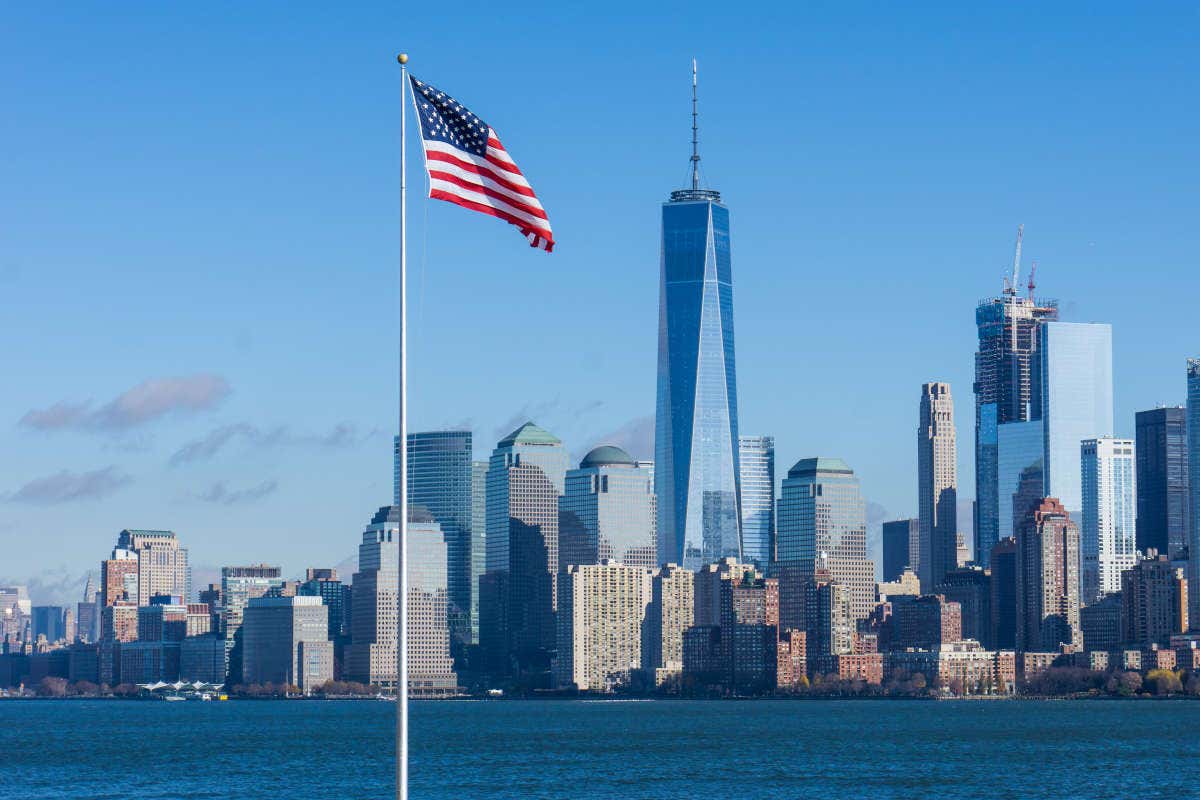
[[474, 194], [501, 171], [469, 166], [529, 232], [482, 188]]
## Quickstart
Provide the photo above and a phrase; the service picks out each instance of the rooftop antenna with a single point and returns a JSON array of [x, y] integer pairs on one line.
[[1010, 286], [695, 135]]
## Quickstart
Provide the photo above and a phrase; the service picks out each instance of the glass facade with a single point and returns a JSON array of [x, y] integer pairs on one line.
[[1019, 451], [1193, 432], [1107, 543], [1008, 341], [439, 482], [823, 526], [756, 462], [608, 512], [696, 431], [1074, 401], [1162, 481]]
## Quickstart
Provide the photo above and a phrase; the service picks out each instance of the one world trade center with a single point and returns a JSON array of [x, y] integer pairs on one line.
[[696, 425]]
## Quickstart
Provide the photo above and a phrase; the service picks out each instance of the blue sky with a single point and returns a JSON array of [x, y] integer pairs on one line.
[[198, 239]]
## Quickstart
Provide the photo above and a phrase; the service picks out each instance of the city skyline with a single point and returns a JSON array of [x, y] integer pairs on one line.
[[218, 458]]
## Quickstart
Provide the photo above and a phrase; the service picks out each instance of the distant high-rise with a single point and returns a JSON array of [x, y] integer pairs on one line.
[[240, 585], [430, 668], [1193, 433], [48, 622], [901, 547], [1154, 603], [696, 427], [162, 563], [285, 642], [601, 612], [1162, 481], [525, 478], [937, 485], [479, 471], [1020, 453], [439, 480], [374, 623], [1074, 400], [607, 512], [1003, 389], [823, 526], [670, 612], [756, 462], [1107, 539], [1048, 579]]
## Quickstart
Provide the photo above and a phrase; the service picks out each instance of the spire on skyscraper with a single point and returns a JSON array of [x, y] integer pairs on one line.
[[695, 192]]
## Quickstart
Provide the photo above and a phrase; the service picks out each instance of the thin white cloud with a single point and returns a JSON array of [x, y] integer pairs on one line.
[[148, 401], [221, 494], [342, 435], [68, 487]]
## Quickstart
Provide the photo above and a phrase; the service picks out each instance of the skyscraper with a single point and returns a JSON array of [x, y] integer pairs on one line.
[[285, 642], [1193, 434], [696, 427], [607, 512], [756, 463], [374, 623], [479, 471], [162, 563], [1003, 388], [823, 526], [525, 478], [1154, 603], [439, 480], [1020, 453], [430, 668], [240, 585], [901, 547], [1162, 480], [1074, 400], [1048, 579], [601, 612], [937, 485], [1107, 539]]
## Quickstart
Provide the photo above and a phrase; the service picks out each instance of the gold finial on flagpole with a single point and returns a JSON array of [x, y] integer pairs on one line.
[[402, 58]]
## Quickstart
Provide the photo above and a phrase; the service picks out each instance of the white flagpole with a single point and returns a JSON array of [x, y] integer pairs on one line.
[[402, 644]]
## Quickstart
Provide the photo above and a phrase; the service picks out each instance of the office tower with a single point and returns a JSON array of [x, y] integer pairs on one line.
[[734, 639], [1020, 452], [162, 563], [430, 667], [1154, 603], [937, 485], [829, 628], [823, 525], [374, 623], [439, 480], [119, 577], [670, 612], [1048, 580], [901, 547], [1107, 540], [1008, 343], [68, 625], [200, 620], [284, 641], [696, 422], [756, 462], [1004, 594], [526, 476], [240, 585], [601, 611], [202, 658], [479, 471], [324, 583], [1162, 481], [48, 622], [607, 512], [119, 621], [1100, 624], [165, 619], [87, 614], [1074, 400], [925, 623], [1193, 434], [971, 588]]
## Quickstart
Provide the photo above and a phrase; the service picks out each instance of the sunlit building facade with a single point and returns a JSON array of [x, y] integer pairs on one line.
[[1108, 544], [756, 462], [608, 511]]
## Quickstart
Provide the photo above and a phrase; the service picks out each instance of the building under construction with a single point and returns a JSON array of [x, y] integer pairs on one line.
[[1004, 387]]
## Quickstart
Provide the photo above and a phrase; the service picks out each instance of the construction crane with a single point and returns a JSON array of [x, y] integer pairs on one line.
[[1010, 284], [1031, 285]]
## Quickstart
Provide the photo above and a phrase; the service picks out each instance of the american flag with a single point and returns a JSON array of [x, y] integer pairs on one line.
[[468, 166]]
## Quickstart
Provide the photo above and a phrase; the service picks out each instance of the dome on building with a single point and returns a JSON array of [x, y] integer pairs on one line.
[[607, 455]]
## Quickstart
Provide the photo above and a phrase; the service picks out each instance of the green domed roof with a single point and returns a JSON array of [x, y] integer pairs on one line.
[[607, 455]]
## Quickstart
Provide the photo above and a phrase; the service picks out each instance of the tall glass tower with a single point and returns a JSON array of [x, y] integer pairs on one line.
[[696, 429]]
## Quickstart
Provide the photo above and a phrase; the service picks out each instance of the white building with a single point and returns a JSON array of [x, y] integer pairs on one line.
[[601, 611], [1107, 543]]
